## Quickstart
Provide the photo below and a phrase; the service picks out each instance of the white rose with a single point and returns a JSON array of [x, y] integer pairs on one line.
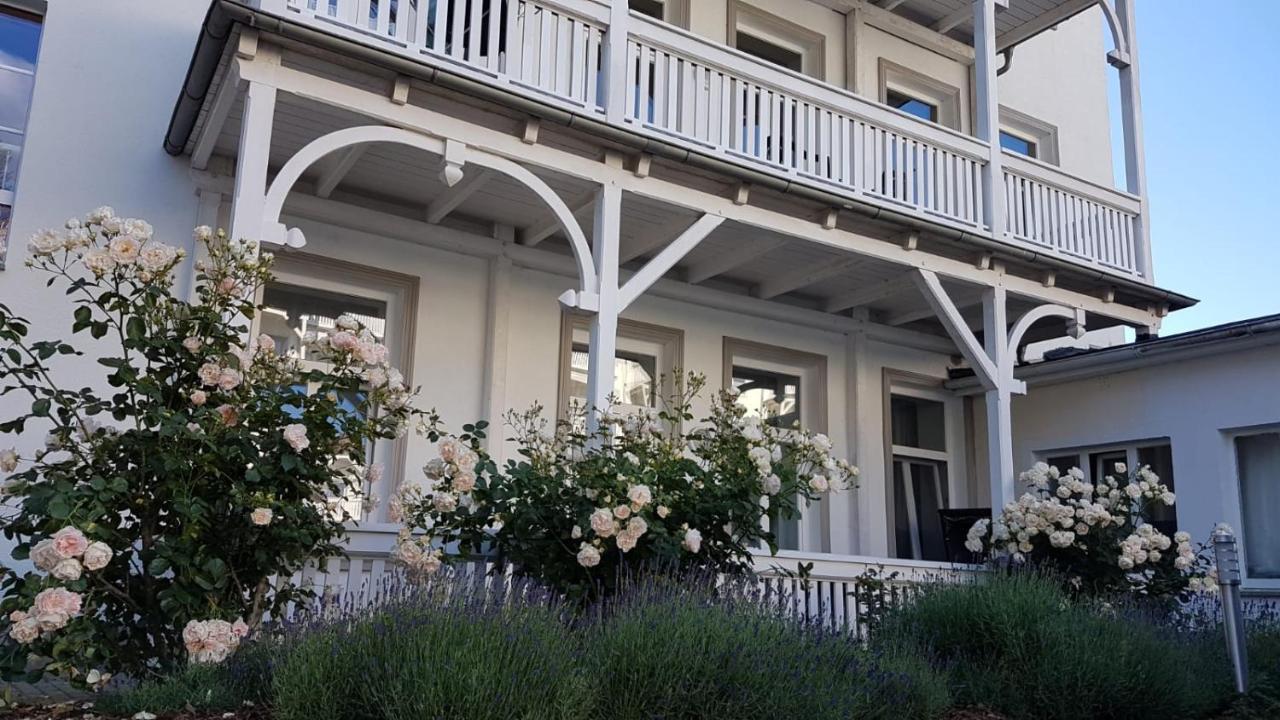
[[818, 483], [261, 516], [692, 541], [203, 233], [44, 556], [96, 556], [8, 460], [640, 495], [45, 242], [25, 631], [67, 570], [772, 484], [588, 556], [296, 435]]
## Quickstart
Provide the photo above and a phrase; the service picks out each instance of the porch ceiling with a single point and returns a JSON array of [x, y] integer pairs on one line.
[[1020, 21]]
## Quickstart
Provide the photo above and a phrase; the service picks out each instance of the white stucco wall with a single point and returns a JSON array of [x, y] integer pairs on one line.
[[1195, 404]]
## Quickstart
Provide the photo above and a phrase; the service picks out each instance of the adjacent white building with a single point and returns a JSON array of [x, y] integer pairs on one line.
[[834, 205]]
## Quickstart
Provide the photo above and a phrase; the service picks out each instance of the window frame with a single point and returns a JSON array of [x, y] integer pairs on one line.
[[811, 368], [400, 293], [674, 12], [1043, 135], [906, 81], [955, 433], [32, 11], [670, 361], [763, 25], [1234, 500]]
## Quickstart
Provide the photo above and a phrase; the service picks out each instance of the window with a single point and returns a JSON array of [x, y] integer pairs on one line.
[[1025, 135], [1100, 461], [653, 8], [918, 94], [19, 44], [307, 297], [1258, 473], [784, 388], [776, 40], [644, 365], [1015, 143], [675, 12], [913, 106], [770, 52], [918, 435]]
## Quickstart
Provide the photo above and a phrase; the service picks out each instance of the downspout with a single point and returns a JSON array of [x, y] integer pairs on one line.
[[223, 13]]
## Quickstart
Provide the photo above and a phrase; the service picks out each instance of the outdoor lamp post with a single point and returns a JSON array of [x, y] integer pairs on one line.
[[1227, 556]]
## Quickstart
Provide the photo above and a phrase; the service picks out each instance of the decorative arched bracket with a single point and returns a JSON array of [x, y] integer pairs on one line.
[[455, 154]]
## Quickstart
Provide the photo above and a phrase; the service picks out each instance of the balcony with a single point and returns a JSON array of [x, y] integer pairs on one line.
[[705, 98]]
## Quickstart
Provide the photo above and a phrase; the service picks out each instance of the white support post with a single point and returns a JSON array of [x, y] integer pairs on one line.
[[999, 400], [604, 324], [251, 162], [208, 205], [615, 61], [988, 115], [497, 325], [1131, 118]]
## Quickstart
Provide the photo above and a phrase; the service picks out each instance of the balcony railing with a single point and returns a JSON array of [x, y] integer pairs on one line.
[[705, 96]]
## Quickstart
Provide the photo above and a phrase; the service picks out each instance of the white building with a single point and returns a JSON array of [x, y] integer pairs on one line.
[[832, 203]]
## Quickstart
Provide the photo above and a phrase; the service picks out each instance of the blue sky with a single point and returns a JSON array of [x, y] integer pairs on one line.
[[1210, 74]]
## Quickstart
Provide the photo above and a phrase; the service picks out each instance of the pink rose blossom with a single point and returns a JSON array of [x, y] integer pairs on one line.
[[230, 416], [69, 543], [198, 398], [57, 600], [296, 435]]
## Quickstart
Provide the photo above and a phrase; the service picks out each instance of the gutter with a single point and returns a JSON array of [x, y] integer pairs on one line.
[[1219, 339], [223, 14]]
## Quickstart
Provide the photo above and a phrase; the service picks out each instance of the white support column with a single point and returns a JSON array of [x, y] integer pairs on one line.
[[208, 205], [999, 399], [496, 326], [615, 61], [251, 162], [1131, 118], [605, 238], [988, 115]]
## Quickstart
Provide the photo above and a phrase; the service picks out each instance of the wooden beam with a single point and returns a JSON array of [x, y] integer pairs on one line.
[[865, 296], [950, 22], [550, 225], [449, 200], [725, 262], [340, 165], [891, 4], [227, 94], [802, 277], [665, 260], [957, 327]]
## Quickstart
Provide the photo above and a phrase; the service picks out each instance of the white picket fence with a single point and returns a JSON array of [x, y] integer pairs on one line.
[[842, 592], [690, 91]]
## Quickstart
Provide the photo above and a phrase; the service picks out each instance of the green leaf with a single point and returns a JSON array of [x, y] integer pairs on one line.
[[40, 408], [158, 566], [58, 508], [135, 328]]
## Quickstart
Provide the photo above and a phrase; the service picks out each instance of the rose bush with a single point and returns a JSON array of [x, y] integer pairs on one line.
[[166, 517], [577, 507], [1096, 536]]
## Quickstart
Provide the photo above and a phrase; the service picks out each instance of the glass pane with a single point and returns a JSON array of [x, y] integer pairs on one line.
[[1160, 459], [4, 231], [10, 153], [1104, 464], [652, 8], [918, 423], [928, 498], [634, 377], [1013, 143], [912, 106], [291, 311], [772, 396], [770, 52], [919, 492], [1258, 462], [786, 531], [1063, 462], [19, 41], [15, 96]]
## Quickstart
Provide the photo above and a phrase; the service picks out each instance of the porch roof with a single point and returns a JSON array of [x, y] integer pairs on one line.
[[1019, 22]]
